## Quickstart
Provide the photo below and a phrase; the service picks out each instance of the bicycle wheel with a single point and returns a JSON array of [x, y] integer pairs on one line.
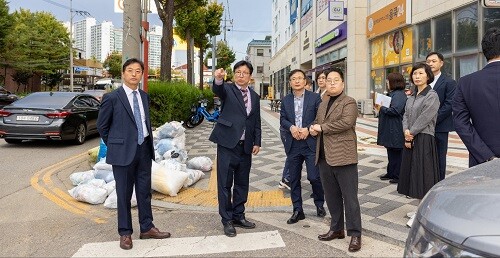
[[194, 120]]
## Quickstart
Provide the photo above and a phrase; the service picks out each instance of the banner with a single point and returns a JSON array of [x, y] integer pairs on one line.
[[336, 11]]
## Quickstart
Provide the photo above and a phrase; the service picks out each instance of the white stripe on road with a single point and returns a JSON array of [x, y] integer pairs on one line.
[[185, 246]]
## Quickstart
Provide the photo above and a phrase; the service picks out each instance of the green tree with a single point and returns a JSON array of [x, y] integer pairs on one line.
[[225, 56], [113, 64], [52, 79], [5, 24], [22, 78], [37, 43]]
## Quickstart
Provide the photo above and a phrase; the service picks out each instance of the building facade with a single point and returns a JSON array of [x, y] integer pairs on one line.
[[369, 39], [102, 40], [259, 55], [82, 35]]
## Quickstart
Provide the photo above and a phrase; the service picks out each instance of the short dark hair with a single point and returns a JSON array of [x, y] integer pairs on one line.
[[337, 70], [132, 61], [440, 56], [320, 73], [243, 63], [428, 71], [396, 81], [491, 43], [296, 71]]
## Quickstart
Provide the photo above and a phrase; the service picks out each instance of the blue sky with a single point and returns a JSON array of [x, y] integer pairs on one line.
[[251, 19]]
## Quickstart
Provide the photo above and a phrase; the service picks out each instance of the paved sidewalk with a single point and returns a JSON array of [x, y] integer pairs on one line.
[[383, 209]]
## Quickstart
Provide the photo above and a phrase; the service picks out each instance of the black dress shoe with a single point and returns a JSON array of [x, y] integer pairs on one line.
[[296, 216], [229, 229], [243, 223], [385, 177], [330, 235], [320, 211], [355, 244], [394, 181]]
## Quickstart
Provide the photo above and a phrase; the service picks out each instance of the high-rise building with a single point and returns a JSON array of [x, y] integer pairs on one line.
[[102, 40], [155, 34], [81, 35], [117, 40]]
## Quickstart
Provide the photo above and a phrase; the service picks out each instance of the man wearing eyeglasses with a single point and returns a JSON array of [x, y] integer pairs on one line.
[[298, 111], [238, 136]]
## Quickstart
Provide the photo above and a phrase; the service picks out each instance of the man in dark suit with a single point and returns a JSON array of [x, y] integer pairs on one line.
[[445, 88], [238, 136], [298, 111], [476, 112], [125, 128]]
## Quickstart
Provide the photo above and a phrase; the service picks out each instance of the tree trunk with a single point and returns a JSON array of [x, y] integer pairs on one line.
[[189, 72], [201, 67], [166, 13]]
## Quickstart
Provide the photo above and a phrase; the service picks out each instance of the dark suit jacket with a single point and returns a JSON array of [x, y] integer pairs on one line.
[[339, 136], [116, 125], [445, 88], [476, 113], [233, 118], [390, 121], [287, 117]]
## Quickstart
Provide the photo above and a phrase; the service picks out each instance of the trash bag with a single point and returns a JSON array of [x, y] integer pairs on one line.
[[170, 130], [166, 181], [178, 155], [112, 201], [172, 164], [102, 150], [88, 193], [78, 177], [164, 145], [110, 187], [102, 165], [193, 176], [95, 182], [105, 175], [200, 163]]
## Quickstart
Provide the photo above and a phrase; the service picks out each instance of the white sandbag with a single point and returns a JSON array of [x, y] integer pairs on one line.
[[172, 164], [180, 141], [112, 200], [95, 182], [171, 130], [88, 193], [179, 155], [110, 187], [200, 163], [78, 177], [106, 175], [158, 157], [193, 176], [102, 165], [166, 181]]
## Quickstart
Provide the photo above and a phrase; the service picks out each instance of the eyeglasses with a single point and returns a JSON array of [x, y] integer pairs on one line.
[[335, 81], [294, 79], [131, 71], [240, 73]]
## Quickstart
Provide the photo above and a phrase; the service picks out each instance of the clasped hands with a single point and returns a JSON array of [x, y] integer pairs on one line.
[[408, 139], [299, 133], [315, 129]]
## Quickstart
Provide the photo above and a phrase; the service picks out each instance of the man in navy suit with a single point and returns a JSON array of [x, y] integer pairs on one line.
[[476, 108], [298, 111], [445, 88], [125, 128], [238, 136]]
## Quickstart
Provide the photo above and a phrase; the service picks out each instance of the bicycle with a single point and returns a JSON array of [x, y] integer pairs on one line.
[[201, 112]]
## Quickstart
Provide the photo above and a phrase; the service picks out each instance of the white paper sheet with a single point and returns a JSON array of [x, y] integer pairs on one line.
[[382, 100]]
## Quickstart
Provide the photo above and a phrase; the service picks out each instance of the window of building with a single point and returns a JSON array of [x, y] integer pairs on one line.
[[491, 18], [260, 69], [260, 52], [466, 65], [424, 39], [467, 25], [443, 37]]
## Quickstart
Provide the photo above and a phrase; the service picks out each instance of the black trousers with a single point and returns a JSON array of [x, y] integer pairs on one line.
[[233, 166], [394, 156], [341, 191], [138, 173], [442, 149]]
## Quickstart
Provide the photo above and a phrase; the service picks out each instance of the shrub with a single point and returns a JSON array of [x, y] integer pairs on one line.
[[172, 101]]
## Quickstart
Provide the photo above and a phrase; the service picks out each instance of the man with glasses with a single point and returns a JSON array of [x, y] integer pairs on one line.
[[238, 136], [298, 111]]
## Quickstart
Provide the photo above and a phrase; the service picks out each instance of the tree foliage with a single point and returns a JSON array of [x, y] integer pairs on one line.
[[113, 64], [5, 24], [52, 79], [37, 43], [225, 56]]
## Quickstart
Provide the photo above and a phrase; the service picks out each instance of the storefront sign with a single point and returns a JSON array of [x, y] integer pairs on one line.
[[336, 11], [331, 38], [395, 15], [378, 52]]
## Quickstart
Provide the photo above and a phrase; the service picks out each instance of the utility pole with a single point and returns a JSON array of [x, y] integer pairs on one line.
[[131, 29], [214, 55], [71, 45]]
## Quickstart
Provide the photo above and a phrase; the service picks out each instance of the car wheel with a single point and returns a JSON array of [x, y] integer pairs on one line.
[[80, 134], [13, 141]]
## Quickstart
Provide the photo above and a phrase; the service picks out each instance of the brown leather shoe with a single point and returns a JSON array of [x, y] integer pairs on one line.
[[154, 233], [355, 244], [330, 235], [126, 242]]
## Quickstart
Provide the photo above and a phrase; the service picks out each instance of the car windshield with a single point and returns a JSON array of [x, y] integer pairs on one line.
[[45, 100]]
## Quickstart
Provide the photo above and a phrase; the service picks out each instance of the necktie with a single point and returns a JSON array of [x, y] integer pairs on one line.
[[138, 119], [244, 92]]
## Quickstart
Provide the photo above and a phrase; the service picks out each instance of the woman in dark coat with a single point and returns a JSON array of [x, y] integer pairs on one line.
[[390, 126]]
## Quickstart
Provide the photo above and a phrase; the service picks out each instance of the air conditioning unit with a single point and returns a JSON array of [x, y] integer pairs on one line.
[[365, 106]]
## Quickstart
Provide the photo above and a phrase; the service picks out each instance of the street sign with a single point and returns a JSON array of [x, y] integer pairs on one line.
[[490, 3], [119, 6]]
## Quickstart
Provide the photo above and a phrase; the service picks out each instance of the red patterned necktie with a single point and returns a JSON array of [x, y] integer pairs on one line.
[[244, 92]]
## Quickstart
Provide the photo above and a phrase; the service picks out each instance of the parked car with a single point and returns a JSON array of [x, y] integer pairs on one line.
[[96, 93], [459, 216], [6, 97], [50, 116]]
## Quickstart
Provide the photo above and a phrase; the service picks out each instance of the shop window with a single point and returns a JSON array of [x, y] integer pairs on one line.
[[467, 28], [260, 52], [466, 65], [447, 68], [443, 39], [424, 39], [491, 18], [378, 81], [343, 52], [260, 69]]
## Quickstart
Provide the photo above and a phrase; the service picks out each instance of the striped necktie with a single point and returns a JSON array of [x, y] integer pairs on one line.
[[244, 92], [138, 119]]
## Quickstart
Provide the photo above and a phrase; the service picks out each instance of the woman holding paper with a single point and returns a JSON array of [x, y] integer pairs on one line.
[[419, 166], [390, 125]]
